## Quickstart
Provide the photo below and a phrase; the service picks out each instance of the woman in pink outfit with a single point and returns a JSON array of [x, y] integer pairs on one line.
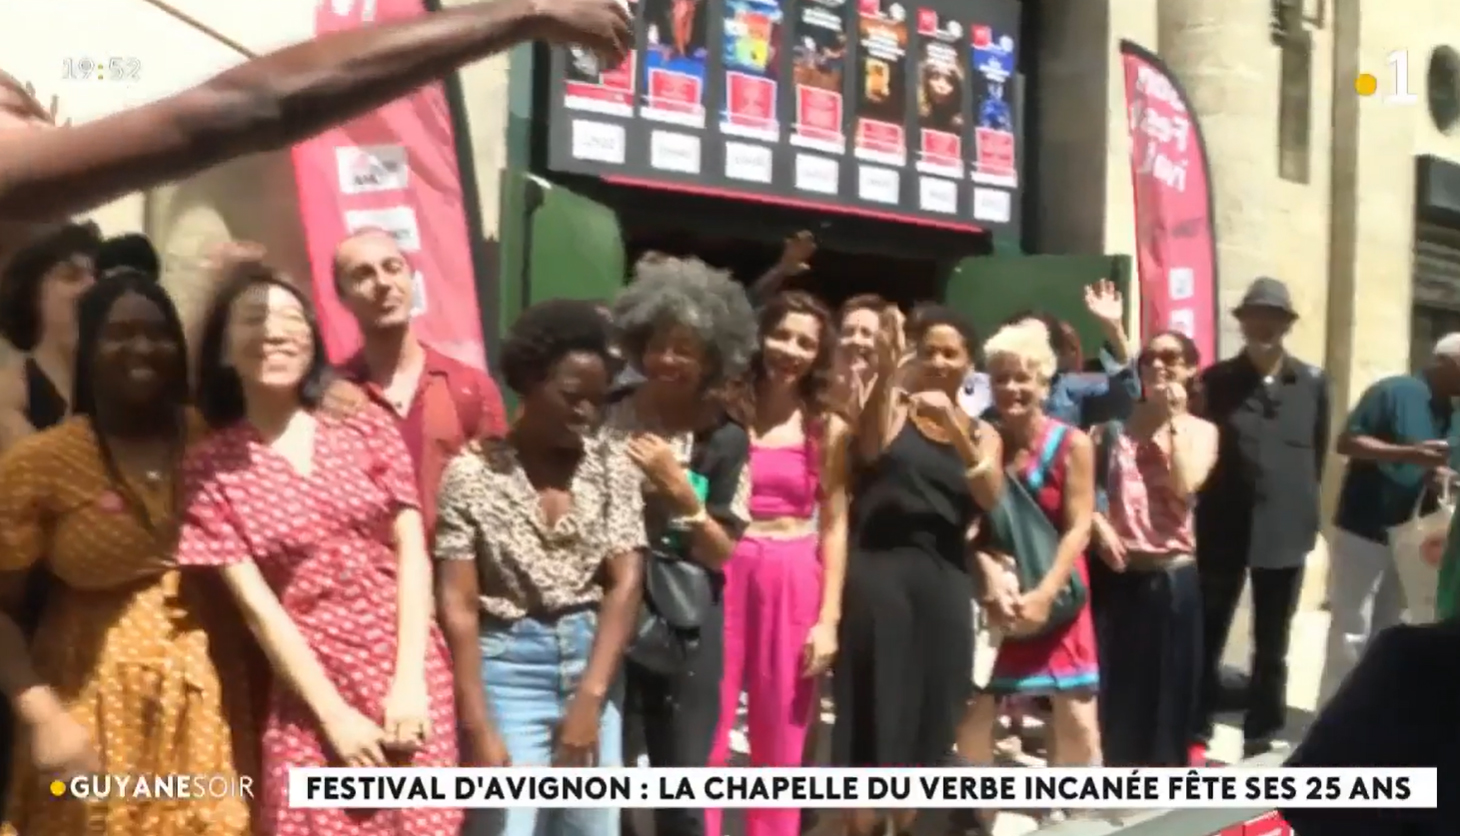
[[783, 584]]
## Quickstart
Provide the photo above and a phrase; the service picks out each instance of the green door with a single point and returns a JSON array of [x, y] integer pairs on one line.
[[989, 289], [557, 244]]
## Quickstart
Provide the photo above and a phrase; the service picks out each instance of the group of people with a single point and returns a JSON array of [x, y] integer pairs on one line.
[[237, 559], [221, 555]]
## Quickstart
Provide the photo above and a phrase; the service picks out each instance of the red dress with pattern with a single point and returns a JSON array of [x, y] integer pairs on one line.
[[324, 542], [1065, 659]]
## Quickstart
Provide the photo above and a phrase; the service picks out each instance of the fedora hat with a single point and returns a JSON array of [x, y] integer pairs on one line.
[[1267, 293]]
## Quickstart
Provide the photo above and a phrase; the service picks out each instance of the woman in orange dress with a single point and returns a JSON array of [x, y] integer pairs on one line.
[[126, 674]]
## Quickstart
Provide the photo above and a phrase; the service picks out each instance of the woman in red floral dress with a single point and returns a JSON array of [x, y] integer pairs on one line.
[[315, 526]]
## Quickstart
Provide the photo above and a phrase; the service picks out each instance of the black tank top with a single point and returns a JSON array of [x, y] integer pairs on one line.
[[44, 405], [914, 496], [44, 408]]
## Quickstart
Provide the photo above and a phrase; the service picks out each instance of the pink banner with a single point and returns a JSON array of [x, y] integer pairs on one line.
[[1176, 245], [393, 169]]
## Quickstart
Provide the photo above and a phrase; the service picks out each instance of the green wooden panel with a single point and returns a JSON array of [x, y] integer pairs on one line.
[[577, 248], [989, 289]]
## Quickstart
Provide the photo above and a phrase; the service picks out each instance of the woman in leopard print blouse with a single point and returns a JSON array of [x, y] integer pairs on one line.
[[539, 539]]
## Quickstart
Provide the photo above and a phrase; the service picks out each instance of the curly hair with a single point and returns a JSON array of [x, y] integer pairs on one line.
[[546, 333], [20, 283], [929, 315], [687, 292], [818, 388]]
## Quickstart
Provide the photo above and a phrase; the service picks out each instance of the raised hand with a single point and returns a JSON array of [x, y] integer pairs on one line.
[[797, 252], [603, 26], [1104, 302]]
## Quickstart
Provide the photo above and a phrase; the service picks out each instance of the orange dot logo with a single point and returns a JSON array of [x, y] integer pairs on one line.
[[1366, 85]]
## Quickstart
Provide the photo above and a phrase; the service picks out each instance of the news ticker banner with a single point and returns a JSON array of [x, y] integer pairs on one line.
[[905, 109], [1005, 789]]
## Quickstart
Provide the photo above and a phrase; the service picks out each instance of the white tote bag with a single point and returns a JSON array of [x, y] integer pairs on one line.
[[1418, 546]]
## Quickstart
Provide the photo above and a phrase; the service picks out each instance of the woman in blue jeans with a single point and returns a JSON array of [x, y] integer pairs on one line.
[[540, 537]]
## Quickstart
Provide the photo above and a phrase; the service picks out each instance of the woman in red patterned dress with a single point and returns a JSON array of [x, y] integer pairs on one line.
[[1055, 463], [315, 526]]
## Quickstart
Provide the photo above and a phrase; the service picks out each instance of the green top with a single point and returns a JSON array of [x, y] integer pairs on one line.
[[1376, 496]]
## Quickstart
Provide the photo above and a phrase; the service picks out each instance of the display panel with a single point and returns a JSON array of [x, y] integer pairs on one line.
[[884, 108]]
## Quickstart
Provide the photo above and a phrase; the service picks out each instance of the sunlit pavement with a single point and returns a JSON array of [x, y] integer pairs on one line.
[[1305, 664]]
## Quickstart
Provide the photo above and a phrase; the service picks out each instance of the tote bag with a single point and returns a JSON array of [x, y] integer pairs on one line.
[[1418, 547], [1020, 527]]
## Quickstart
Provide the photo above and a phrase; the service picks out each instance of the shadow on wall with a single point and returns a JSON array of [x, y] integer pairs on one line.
[[250, 199]]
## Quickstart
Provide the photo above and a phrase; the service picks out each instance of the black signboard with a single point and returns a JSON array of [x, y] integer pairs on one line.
[[886, 108]]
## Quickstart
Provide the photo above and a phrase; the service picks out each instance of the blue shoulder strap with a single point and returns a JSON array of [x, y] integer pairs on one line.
[[1052, 442]]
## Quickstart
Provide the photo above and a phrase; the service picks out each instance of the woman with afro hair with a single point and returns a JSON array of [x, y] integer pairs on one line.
[[539, 539]]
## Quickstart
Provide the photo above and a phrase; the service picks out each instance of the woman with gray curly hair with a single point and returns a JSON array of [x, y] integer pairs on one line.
[[688, 330]]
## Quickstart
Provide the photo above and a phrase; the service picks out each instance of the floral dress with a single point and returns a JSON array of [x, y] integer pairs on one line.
[[138, 651], [324, 541]]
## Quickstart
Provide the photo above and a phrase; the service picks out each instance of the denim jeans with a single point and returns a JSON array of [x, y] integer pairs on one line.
[[530, 670]]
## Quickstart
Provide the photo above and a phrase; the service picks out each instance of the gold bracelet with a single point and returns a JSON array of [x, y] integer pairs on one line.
[[976, 470], [689, 521]]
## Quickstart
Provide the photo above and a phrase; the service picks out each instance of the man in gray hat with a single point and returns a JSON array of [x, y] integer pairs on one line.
[[1258, 512]]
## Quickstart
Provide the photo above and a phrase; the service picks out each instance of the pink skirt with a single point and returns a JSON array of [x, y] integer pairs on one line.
[[1065, 660]]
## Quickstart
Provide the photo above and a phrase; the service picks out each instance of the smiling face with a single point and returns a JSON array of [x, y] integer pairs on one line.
[[943, 359], [790, 348], [858, 338], [138, 357], [1018, 389], [675, 360], [269, 341], [1164, 361]]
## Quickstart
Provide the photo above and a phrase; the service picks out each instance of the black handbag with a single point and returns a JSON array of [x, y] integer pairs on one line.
[[1020, 526], [677, 595]]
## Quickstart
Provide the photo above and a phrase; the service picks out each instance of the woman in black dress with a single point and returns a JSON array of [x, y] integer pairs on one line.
[[927, 472]]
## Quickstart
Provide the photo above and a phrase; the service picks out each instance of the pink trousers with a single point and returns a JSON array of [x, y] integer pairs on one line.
[[772, 600]]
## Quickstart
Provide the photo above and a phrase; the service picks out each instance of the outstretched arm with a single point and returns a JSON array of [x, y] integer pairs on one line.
[[278, 100]]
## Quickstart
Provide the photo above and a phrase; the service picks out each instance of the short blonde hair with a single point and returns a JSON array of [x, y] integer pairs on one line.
[[1028, 342]]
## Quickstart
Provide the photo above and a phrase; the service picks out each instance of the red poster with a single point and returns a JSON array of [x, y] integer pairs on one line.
[[394, 169], [588, 86], [942, 85], [818, 65], [752, 58], [1176, 244], [881, 103]]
